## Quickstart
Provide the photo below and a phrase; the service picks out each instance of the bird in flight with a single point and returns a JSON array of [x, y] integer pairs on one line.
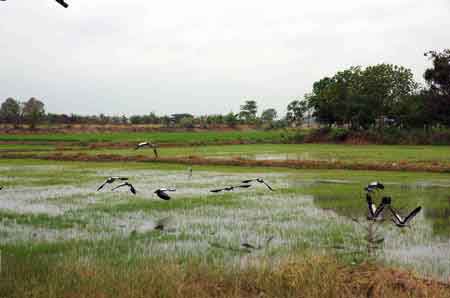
[[130, 186], [260, 180], [64, 4], [375, 212], [111, 180], [403, 222], [374, 186], [162, 193], [148, 144], [230, 188]]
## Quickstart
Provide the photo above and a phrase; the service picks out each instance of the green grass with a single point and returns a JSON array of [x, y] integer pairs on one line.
[[307, 212], [158, 137]]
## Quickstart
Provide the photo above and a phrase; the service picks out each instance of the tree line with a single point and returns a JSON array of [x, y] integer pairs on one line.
[[357, 98]]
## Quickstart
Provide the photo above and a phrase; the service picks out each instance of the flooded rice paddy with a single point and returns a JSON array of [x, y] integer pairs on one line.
[[54, 204]]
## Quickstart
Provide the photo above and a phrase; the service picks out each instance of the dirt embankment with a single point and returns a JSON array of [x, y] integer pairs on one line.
[[196, 160]]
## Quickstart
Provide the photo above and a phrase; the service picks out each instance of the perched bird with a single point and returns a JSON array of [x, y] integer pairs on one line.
[[148, 144], [162, 193], [260, 180], [130, 186], [64, 4], [374, 186], [230, 188], [375, 212], [111, 180], [404, 222]]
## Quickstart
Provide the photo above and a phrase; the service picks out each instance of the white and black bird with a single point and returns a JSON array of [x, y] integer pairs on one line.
[[374, 211], [162, 193], [230, 188], [129, 185], [374, 186], [148, 144], [111, 180], [260, 180], [403, 222], [64, 4]]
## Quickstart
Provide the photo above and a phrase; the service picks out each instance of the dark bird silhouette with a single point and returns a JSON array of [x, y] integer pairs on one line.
[[374, 186], [162, 193], [260, 180], [250, 246], [162, 224], [148, 144], [111, 180], [130, 186], [375, 212], [64, 4], [231, 188], [403, 222]]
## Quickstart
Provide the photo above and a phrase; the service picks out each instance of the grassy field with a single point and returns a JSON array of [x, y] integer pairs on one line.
[[158, 137], [61, 238], [325, 152]]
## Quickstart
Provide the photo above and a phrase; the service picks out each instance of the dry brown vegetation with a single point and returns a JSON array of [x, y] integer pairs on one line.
[[436, 167], [315, 276]]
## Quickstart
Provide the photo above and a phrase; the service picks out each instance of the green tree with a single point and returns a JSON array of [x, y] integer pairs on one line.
[[231, 119], [248, 111], [296, 110], [10, 111], [33, 111], [438, 79], [269, 115]]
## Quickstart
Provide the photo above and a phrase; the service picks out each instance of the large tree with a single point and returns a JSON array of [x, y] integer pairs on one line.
[[269, 115], [248, 111], [438, 80], [296, 110], [358, 97], [10, 111], [33, 111]]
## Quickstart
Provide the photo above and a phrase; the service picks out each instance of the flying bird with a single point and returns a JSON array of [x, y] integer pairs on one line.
[[375, 211], [64, 4], [148, 144], [111, 180], [260, 180], [230, 188], [162, 193], [130, 186], [374, 186], [404, 222]]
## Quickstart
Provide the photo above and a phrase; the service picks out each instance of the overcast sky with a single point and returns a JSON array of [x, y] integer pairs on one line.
[[202, 56]]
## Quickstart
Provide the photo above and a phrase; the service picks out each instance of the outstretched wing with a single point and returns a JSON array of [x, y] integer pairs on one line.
[[268, 186], [244, 186], [397, 216], [132, 189], [120, 185], [163, 195], [370, 205], [64, 4], [247, 181], [412, 214], [101, 186], [216, 190]]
